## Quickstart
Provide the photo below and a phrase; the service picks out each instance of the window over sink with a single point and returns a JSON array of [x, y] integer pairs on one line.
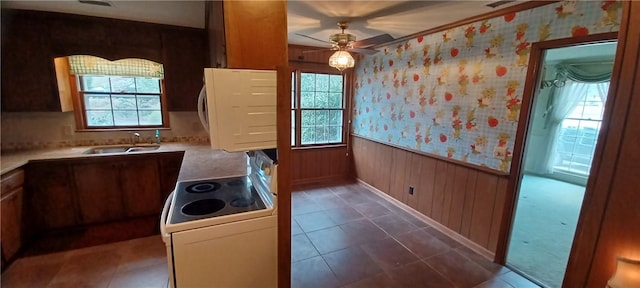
[[115, 95], [115, 101]]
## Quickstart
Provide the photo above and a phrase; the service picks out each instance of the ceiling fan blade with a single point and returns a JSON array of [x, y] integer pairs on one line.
[[383, 38], [363, 51], [313, 38], [314, 51]]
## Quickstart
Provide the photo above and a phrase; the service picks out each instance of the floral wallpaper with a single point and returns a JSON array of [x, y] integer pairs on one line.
[[458, 93]]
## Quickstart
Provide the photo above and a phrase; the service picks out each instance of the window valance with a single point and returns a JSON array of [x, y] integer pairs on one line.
[[91, 65]]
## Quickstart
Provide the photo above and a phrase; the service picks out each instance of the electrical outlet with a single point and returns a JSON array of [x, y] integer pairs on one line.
[[410, 190]]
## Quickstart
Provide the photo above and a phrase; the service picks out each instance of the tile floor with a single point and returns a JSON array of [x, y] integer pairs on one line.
[[137, 263], [342, 236], [348, 236]]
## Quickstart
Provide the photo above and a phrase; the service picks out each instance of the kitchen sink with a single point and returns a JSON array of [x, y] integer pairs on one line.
[[121, 149], [143, 148]]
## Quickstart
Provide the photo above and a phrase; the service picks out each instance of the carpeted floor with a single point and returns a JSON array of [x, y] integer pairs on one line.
[[544, 226]]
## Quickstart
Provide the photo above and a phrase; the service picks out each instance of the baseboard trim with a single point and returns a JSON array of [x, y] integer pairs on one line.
[[320, 181], [444, 229]]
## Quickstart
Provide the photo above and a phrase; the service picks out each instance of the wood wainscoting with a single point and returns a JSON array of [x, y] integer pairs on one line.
[[320, 165], [468, 200]]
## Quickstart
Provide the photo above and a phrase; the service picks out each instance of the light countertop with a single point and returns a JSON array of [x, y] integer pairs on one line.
[[199, 162]]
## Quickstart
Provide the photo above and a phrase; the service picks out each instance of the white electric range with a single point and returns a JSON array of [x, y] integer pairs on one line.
[[222, 232]]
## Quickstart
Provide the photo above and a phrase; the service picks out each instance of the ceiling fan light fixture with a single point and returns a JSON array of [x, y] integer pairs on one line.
[[341, 60]]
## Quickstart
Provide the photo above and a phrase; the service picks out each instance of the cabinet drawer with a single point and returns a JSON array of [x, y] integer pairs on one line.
[[12, 180]]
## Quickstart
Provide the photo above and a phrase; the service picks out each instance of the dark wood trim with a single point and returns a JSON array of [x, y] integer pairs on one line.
[[349, 79], [530, 88], [349, 118], [284, 176], [311, 147], [599, 185], [445, 159], [536, 59], [497, 13], [78, 105], [572, 41], [164, 106]]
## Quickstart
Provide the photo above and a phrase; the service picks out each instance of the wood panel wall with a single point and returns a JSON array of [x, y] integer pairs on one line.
[[255, 34], [467, 200], [303, 54], [318, 165]]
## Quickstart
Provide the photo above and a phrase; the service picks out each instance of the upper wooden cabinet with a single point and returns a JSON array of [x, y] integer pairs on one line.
[[183, 70], [31, 40], [255, 34], [28, 76], [214, 21]]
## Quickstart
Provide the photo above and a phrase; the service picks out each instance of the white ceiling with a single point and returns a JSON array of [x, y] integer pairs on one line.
[[369, 18], [313, 18], [180, 13]]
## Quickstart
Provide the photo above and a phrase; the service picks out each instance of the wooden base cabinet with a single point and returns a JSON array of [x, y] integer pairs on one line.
[[98, 191], [49, 196], [117, 189], [78, 192], [11, 210]]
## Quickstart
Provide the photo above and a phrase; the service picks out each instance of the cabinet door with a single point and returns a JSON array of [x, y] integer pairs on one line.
[[28, 75], [98, 191], [11, 208], [214, 19], [50, 199], [184, 61], [170, 164], [141, 188]]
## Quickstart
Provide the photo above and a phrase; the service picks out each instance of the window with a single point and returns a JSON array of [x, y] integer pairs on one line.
[[318, 108], [112, 101], [579, 132], [120, 94]]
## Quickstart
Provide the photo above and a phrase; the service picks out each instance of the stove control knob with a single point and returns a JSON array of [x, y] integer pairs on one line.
[[266, 170]]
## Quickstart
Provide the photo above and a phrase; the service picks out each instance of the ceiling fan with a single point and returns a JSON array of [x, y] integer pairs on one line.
[[347, 42]]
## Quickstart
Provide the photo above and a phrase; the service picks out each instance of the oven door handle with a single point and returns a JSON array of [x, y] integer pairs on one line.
[[163, 216]]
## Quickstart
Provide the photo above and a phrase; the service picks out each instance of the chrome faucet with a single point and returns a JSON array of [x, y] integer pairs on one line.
[[135, 138]]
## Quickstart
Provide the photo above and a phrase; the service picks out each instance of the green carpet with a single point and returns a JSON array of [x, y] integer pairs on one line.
[[545, 221]]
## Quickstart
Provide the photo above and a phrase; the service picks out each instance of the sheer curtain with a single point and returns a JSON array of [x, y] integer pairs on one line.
[[603, 90], [565, 99], [569, 97]]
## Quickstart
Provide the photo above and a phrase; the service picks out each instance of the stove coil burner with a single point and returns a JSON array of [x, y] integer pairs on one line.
[[203, 187], [236, 182], [202, 207], [242, 202]]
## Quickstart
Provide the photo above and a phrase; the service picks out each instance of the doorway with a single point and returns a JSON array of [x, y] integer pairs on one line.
[[563, 128]]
